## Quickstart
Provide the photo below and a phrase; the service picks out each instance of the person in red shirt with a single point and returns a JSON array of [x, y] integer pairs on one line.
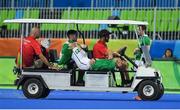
[[30, 49], [101, 51]]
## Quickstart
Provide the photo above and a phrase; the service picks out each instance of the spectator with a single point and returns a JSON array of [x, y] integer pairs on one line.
[[168, 53]]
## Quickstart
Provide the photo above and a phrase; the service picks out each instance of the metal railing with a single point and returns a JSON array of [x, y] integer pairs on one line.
[[164, 23], [90, 3]]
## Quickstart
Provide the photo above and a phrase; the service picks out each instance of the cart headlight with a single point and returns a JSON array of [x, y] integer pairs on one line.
[[156, 74]]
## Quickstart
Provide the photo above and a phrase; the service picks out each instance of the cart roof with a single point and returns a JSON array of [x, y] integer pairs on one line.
[[66, 21]]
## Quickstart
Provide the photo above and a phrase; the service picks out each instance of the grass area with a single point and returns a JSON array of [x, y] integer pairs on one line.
[[8, 87], [170, 72], [6, 70]]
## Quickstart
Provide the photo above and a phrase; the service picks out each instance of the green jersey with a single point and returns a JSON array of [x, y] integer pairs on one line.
[[104, 64], [66, 54], [144, 40]]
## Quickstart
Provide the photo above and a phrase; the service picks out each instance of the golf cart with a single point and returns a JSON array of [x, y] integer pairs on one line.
[[37, 83]]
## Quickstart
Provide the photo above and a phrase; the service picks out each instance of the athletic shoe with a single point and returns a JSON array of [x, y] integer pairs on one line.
[[137, 98]]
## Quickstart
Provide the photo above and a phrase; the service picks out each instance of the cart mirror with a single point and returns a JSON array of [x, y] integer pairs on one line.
[[113, 18], [125, 30], [122, 51], [4, 27]]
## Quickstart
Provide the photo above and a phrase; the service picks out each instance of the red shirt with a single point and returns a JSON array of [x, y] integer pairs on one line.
[[100, 50], [31, 47]]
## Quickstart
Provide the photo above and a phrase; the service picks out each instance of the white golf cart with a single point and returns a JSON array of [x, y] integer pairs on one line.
[[37, 83]]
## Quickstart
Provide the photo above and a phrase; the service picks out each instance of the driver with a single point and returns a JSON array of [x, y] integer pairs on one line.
[[84, 63], [101, 51]]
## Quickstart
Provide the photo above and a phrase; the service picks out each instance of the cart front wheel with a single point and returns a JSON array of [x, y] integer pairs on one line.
[[148, 90], [161, 91]]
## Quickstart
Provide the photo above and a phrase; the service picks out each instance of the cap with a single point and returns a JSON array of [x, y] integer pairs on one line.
[[104, 33]]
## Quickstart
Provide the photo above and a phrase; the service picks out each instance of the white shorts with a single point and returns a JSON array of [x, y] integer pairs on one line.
[[81, 59]]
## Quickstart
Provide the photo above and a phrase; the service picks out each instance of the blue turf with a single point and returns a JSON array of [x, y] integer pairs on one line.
[[74, 99]]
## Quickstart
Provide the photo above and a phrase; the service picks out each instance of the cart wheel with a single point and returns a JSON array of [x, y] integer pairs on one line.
[[148, 90], [45, 93], [33, 88], [161, 91]]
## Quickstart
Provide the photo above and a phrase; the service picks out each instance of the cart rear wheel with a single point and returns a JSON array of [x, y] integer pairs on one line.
[[33, 88], [45, 93], [148, 90]]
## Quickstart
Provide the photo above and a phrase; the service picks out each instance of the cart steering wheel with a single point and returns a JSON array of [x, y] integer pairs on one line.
[[122, 51]]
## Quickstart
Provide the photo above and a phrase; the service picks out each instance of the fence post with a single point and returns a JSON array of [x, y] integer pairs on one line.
[[27, 25], [52, 3], [133, 3], [111, 11], [27, 12], [12, 3], [69, 12], [97, 3], [154, 32], [92, 3], [177, 1]]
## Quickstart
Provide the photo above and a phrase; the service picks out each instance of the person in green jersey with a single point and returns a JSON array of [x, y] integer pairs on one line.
[[144, 41], [84, 63], [144, 44], [66, 52], [65, 60]]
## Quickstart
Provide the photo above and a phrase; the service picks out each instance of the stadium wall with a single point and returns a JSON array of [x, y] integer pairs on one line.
[[157, 50], [9, 47]]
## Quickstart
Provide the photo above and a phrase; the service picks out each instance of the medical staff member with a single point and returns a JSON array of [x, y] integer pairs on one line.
[[30, 49]]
